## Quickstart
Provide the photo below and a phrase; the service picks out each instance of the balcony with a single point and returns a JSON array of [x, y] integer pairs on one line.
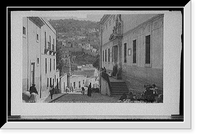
[[49, 45], [50, 52], [45, 51], [54, 52]]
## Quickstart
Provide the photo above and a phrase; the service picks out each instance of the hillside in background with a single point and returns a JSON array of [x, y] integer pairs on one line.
[[71, 25], [76, 35]]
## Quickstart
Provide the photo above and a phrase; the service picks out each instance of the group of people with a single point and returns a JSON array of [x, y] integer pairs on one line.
[[33, 93], [89, 90]]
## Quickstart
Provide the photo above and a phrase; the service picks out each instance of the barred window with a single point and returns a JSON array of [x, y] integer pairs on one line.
[[147, 49], [134, 51], [125, 49]]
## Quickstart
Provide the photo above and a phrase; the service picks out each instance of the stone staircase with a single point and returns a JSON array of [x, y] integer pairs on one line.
[[118, 88]]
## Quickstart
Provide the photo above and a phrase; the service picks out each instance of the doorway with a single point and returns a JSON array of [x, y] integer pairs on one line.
[[115, 54], [32, 73]]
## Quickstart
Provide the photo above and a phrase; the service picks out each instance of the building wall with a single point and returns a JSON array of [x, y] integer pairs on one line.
[[77, 79], [33, 52], [107, 64], [154, 28], [137, 27], [50, 75], [104, 87], [108, 28], [25, 57], [63, 82], [139, 73], [131, 21]]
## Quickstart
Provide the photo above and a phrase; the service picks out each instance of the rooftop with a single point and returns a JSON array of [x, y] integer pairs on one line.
[[87, 73]]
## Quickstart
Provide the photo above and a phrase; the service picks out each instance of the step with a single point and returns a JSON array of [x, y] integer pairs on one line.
[[117, 82], [118, 85], [118, 94], [120, 90]]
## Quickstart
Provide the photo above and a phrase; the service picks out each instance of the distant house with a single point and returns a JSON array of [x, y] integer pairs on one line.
[[94, 50], [91, 76], [63, 80], [77, 82]]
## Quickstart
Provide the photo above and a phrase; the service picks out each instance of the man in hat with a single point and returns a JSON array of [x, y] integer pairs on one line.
[[34, 93], [51, 90]]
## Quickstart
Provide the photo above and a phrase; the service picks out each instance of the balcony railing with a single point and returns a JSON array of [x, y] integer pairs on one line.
[[45, 51], [53, 47], [54, 52]]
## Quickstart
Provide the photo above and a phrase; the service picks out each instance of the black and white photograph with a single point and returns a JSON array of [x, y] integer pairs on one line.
[[99, 65], [106, 58]]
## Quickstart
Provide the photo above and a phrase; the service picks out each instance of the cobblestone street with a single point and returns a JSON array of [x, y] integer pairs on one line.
[[79, 98]]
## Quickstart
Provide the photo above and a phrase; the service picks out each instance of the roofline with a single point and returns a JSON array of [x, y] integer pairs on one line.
[[48, 24], [104, 18]]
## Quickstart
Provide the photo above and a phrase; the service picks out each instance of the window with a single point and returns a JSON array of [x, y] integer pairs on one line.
[[106, 55], [134, 51], [24, 30], [83, 81], [125, 49], [54, 64], [147, 49], [50, 82], [45, 40], [50, 64], [103, 55], [109, 55], [37, 37], [50, 42], [79, 84], [53, 45], [37, 60], [47, 82], [46, 65], [74, 85]]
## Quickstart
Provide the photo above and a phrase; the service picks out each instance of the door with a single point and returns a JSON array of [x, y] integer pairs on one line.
[[32, 73], [115, 54]]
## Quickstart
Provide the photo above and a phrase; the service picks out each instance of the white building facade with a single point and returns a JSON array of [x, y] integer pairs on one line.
[[135, 42], [39, 55]]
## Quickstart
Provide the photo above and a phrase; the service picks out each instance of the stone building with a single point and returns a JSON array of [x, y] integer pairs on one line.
[[39, 55], [135, 42]]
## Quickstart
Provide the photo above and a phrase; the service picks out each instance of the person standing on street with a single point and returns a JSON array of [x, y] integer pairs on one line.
[[34, 93], [89, 90], [51, 90], [83, 90]]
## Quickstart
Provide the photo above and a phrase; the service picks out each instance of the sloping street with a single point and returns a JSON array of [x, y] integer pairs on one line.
[[79, 98]]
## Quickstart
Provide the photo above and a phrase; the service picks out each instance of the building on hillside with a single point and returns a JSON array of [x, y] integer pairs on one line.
[[77, 82], [91, 76], [39, 55], [135, 42], [64, 83], [94, 50]]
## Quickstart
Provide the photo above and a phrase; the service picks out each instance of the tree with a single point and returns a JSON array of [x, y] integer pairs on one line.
[[96, 62]]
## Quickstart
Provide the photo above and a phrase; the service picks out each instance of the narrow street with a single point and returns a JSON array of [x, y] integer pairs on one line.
[[79, 98]]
